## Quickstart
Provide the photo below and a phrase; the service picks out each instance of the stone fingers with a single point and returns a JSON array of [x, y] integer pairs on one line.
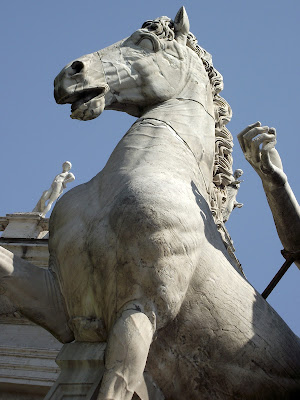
[[252, 140], [255, 134], [269, 143], [267, 140], [240, 136], [258, 144]]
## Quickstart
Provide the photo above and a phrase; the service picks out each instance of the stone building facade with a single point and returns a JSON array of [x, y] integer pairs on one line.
[[27, 351]]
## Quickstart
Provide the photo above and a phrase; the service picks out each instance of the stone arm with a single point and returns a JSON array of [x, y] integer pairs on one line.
[[258, 144], [69, 178]]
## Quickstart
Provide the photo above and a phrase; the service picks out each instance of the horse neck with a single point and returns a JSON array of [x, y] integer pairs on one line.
[[194, 123]]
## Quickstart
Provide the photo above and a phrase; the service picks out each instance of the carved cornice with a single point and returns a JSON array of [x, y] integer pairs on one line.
[[32, 250], [28, 366], [3, 223]]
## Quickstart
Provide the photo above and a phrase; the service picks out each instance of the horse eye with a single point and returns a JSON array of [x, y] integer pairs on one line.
[[152, 27]]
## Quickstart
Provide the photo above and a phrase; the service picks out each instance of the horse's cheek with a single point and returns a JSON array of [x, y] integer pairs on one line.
[[167, 73]]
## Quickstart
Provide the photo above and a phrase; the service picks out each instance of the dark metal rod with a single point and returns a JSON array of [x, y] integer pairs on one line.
[[277, 277]]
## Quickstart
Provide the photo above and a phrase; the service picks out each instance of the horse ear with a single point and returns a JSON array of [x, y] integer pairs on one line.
[[181, 25]]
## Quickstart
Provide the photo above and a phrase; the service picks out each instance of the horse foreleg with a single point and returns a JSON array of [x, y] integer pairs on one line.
[[126, 355], [33, 291]]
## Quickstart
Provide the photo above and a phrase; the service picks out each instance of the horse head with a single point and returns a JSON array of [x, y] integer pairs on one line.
[[156, 63]]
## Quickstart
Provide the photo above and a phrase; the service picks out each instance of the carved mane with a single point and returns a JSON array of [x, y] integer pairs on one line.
[[163, 27]]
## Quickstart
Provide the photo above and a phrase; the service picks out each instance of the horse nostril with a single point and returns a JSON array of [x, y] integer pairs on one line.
[[77, 66]]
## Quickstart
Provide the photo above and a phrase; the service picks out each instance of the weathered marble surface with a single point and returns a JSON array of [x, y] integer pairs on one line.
[[136, 258]]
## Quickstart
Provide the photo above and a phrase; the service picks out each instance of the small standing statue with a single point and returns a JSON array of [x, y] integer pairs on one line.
[[58, 185], [232, 191]]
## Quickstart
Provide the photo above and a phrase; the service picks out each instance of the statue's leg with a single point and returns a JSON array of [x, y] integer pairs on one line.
[[51, 199], [40, 205], [45, 196], [34, 292], [126, 355]]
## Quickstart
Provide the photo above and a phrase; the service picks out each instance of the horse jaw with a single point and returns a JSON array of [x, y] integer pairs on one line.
[[88, 110]]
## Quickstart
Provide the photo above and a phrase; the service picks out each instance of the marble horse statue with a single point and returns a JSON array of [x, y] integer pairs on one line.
[[139, 255]]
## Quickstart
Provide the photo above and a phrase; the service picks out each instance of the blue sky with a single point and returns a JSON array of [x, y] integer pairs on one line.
[[255, 45]]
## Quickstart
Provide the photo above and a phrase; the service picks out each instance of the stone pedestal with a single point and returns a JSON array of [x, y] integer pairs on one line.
[[82, 368], [25, 225]]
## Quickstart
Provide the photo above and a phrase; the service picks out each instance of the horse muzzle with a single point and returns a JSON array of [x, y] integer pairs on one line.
[[82, 84]]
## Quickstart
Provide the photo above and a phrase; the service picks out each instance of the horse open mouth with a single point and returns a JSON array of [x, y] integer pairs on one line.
[[85, 96], [86, 104]]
